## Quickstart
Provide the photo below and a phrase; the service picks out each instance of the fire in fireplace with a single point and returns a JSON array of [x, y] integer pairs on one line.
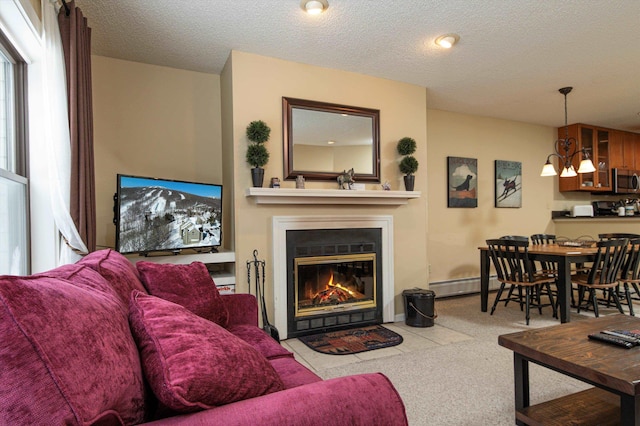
[[330, 283]]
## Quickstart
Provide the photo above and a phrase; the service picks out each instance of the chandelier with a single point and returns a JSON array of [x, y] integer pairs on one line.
[[566, 149]]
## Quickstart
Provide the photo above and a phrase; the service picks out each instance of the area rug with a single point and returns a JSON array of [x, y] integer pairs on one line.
[[352, 341]]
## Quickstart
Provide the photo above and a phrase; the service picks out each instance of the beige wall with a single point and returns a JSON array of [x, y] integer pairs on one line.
[[455, 233], [157, 121], [258, 85], [152, 121]]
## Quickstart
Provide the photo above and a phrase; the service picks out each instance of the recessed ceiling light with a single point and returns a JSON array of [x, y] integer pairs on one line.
[[331, 142], [314, 7], [447, 41]]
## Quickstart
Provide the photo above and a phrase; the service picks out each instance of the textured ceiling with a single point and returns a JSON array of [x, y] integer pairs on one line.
[[512, 57]]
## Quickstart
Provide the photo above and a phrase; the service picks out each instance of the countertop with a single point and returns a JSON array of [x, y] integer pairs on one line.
[[635, 218]]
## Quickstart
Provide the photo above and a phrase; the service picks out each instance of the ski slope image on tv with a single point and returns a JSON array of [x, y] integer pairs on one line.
[[167, 215]]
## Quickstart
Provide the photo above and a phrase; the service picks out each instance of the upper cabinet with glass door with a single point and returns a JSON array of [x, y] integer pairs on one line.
[[596, 141]]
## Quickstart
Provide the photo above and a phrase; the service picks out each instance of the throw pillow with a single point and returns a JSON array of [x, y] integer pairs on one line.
[[189, 285], [117, 270], [191, 363], [68, 356]]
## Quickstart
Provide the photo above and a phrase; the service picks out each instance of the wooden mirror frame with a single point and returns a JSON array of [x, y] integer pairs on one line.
[[287, 131]]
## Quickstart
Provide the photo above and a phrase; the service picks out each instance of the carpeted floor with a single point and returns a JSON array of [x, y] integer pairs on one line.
[[466, 380]]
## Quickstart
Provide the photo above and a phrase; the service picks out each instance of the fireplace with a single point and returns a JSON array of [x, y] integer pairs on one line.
[[348, 245]]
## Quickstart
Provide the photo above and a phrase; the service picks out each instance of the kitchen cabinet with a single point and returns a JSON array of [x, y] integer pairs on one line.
[[595, 140], [624, 150]]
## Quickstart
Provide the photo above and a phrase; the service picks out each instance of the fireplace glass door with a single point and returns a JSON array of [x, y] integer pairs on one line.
[[334, 283]]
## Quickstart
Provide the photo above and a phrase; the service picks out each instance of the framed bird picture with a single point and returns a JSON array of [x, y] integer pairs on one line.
[[462, 182]]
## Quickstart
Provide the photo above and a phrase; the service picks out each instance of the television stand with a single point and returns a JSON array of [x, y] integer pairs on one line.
[[158, 253], [207, 250]]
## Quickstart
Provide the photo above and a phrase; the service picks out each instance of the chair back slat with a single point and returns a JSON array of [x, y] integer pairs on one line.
[[631, 267], [617, 235], [543, 239], [510, 258], [609, 259]]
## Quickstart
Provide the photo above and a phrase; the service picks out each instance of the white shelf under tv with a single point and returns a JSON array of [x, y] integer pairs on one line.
[[225, 258]]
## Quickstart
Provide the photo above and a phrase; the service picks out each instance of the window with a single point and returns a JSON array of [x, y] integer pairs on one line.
[[14, 196]]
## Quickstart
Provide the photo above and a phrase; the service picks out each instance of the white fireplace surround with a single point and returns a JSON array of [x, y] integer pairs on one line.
[[282, 224]]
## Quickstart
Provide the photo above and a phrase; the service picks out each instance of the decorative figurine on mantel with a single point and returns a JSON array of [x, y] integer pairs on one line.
[[300, 182], [386, 185], [346, 177]]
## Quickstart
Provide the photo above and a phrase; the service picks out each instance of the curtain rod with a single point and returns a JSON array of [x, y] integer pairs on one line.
[[66, 8]]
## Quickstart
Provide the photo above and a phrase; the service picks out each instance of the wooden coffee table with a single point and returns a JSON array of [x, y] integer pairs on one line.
[[565, 348]]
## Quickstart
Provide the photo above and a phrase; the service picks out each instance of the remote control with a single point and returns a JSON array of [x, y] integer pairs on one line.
[[611, 339], [625, 337], [629, 333]]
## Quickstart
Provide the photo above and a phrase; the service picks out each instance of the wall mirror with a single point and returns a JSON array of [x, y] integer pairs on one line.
[[321, 140]]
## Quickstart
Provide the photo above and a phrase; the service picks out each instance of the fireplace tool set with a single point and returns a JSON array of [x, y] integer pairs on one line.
[[259, 265]]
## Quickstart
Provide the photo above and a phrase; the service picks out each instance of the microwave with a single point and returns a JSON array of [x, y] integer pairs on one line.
[[625, 181]]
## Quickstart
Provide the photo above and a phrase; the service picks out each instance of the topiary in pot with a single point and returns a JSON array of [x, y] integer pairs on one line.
[[257, 155], [408, 165]]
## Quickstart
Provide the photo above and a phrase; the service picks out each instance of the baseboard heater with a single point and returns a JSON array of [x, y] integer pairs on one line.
[[460, 287]]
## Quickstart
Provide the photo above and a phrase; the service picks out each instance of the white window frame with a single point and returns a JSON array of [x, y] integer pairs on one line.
[[15, 247]]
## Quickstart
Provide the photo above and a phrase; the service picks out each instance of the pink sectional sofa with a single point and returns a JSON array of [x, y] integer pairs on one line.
[[104, 342]]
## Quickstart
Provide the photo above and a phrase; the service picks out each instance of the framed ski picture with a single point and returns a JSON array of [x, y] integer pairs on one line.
[[508, 184]]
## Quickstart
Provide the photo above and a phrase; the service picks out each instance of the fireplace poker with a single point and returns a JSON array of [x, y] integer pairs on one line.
[[257, 265]]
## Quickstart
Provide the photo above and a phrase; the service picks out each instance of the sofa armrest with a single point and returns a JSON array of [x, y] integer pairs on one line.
[[364, 399], [242, 307]]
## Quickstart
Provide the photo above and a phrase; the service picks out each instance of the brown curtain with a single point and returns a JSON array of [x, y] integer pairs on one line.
[[76, 41]]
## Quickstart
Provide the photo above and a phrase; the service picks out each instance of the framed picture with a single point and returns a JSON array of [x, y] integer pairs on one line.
[[462, 182], [508, 184]]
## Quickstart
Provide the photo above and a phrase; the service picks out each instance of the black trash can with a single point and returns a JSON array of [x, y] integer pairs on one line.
[[419, 308]]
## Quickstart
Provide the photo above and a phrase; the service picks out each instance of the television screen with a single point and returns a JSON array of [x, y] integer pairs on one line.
[[167, 215]]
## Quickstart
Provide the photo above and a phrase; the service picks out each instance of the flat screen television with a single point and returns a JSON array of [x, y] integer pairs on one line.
[[153, 215]]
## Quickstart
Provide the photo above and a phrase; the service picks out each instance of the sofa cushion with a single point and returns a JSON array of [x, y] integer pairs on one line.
[[71, 357], [189, 285], [191, 363], [122, 276], [260, 341]]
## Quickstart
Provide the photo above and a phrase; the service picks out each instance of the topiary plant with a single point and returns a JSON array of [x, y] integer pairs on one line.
[[258, 132], [406, 146], [409, 165]]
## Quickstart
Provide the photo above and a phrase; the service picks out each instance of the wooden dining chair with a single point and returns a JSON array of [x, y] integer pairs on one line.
[[510, 258], [616, 235], [630, 273], [603, 274], [543, 239], [545, 266]]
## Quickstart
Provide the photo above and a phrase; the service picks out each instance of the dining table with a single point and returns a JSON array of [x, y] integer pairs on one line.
[[563, 256]]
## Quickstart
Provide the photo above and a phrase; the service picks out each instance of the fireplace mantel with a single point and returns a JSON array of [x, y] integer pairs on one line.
[[329, 196]]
